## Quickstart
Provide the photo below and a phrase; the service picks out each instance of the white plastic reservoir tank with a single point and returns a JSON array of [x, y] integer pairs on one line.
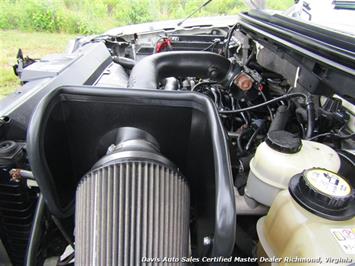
[[280, 157], [312, 223]]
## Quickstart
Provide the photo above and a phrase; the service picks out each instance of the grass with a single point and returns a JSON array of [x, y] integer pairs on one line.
[[33, 44]]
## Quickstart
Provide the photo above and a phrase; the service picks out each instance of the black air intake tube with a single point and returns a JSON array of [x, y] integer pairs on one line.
[[133, 204], [147, 72]]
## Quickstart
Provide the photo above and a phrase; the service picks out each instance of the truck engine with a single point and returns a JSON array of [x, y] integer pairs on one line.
[[208, 144]]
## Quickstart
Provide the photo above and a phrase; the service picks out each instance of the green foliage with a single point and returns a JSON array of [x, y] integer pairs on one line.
[[133, 12], [49, 16], [87, 16]]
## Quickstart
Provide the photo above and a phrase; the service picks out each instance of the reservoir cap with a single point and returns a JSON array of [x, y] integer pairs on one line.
[[323, 193], [283, 141]]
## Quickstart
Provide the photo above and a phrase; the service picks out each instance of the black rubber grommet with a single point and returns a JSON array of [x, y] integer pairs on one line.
[[7, 147]]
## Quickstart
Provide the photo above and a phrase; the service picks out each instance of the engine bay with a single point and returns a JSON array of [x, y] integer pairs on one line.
[[198, 145]]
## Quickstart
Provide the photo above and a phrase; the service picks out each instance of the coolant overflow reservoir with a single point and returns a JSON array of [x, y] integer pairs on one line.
[[282, 156], [313, 222]]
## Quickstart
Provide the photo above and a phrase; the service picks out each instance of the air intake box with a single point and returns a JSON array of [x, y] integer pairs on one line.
[[73, 126]]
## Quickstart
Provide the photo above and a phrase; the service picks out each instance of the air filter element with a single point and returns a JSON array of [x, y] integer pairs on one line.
[[133, 205]]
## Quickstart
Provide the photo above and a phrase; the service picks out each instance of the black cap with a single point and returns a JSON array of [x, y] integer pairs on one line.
[[283, 141], [323, 193]]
